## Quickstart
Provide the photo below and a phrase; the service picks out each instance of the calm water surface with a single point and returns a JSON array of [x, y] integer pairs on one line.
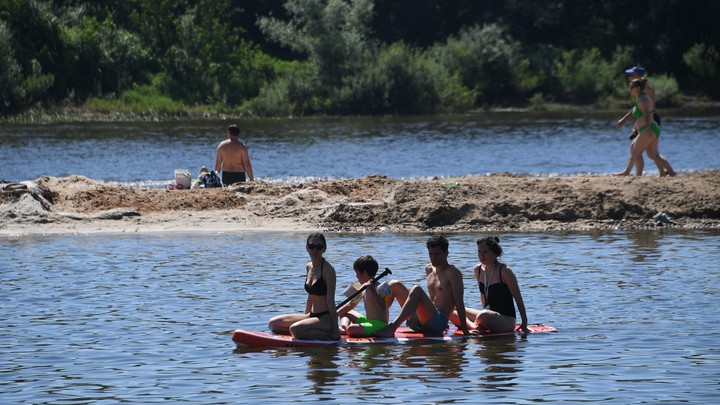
[[147, 319], [283, 150]]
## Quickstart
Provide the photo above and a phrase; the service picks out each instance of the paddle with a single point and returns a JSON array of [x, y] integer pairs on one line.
[[383, 274]]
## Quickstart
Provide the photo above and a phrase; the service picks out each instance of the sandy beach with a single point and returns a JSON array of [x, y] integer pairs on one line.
[[499, 202]]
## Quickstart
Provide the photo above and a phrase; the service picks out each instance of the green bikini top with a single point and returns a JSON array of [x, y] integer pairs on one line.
[[637, 112]]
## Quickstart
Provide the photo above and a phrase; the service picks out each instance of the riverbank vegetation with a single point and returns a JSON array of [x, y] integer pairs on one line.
[[199, 58]]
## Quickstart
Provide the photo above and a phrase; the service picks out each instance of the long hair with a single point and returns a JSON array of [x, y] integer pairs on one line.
[[638, 83]]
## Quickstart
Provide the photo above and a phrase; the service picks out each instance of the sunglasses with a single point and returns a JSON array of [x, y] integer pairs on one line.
[[315, 247]]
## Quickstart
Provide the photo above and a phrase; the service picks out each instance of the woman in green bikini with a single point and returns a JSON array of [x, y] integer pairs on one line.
[[648, 139]]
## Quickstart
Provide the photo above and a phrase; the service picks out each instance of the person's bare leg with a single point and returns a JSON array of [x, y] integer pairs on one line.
[[399, 291], [630, 163], [641, 144], [417, 302], [654, 154], [660, 160], [280, 324]]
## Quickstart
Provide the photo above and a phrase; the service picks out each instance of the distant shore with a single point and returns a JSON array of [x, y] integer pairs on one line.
[[691, 106], [502, 202]]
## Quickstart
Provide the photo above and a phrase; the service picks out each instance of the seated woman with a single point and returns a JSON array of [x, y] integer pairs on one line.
[[320, 319], [498, 289]]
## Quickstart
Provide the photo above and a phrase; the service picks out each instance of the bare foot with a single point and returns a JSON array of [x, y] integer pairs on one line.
[[622, 174]]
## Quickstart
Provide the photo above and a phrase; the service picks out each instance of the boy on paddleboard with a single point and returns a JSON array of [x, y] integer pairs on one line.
[[377, 299], [430, 314]]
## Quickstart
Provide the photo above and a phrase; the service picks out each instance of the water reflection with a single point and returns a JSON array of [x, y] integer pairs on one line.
[[442, 359], [322, 367], [422, 360], [644, 245], [498, 354]]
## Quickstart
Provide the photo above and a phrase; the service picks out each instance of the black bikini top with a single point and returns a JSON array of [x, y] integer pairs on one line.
[[319, 288]]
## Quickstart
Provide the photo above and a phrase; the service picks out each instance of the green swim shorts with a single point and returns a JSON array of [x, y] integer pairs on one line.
[[370, 325]]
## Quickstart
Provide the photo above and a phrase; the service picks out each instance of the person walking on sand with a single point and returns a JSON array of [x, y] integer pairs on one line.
[[233, 158], [319, 321], [653, 150], [648, 138], [430, 313]]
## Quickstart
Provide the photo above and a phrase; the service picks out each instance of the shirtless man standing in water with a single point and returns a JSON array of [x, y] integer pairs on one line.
[[431, 314], [233, 159]]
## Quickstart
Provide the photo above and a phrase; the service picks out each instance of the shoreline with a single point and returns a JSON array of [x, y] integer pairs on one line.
[[690, 106], [372, 204]]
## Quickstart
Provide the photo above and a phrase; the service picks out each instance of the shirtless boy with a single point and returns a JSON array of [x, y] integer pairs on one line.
[[233, 158], [376, 316], [378, 298], [430, 314]]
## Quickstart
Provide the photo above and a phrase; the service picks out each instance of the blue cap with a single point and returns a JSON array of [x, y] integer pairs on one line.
[[637, 70]]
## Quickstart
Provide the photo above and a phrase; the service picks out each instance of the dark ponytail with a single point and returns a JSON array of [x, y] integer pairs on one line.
[[493, 242]]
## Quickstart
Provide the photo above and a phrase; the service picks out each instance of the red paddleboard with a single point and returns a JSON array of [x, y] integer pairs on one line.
[[248, 338], [261, 339], [405, 334], [533, 328]]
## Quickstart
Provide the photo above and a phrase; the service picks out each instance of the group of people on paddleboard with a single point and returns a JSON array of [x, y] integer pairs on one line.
[[425, 312]]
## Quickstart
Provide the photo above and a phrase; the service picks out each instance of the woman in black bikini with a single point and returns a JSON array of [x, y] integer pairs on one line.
[[320, 319]]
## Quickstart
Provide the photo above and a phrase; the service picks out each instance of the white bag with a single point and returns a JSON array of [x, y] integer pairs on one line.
[[183, 179]]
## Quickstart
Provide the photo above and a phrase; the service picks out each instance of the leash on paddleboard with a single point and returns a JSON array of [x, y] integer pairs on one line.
[[383, 274]]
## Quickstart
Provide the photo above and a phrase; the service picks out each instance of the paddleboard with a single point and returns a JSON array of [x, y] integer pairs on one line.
[[533, 328], [261, 339], [257, 339]]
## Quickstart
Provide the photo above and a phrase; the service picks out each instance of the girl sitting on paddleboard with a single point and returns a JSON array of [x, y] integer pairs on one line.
[[498, 289], [320, 319]]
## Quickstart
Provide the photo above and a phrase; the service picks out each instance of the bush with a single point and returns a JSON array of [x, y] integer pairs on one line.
[[667, 91], [704, 61], [487, 61], [397, 82], [296, 92], [585, 76], [11, 89], [537, 102], [142, 99]]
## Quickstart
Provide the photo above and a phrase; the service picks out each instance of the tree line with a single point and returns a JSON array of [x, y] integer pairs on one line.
[[300, 57]]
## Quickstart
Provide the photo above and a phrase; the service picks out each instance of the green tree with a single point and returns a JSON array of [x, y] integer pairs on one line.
[[586, 75], [334, 34], [11, 89], [704, 61], [487, 61], [34, 37]]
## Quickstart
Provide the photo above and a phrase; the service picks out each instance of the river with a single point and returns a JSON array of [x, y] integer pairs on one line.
[[147, 318]]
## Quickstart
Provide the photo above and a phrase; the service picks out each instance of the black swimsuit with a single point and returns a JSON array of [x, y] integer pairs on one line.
[[500, 298], [320, 289]]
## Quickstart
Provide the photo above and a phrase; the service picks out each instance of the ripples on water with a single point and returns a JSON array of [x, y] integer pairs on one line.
[[147, 318]]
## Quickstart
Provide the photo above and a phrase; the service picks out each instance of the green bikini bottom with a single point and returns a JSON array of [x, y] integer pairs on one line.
[[653, 127]]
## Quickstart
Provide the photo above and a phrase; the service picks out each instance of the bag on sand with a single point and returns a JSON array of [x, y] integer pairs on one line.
[[183, 180], [210, 180]]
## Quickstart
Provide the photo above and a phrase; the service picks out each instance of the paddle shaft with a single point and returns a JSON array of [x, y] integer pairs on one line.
[[383, 274]]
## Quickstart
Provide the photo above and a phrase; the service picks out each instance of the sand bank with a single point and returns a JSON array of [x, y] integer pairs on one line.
[[501, 202]]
